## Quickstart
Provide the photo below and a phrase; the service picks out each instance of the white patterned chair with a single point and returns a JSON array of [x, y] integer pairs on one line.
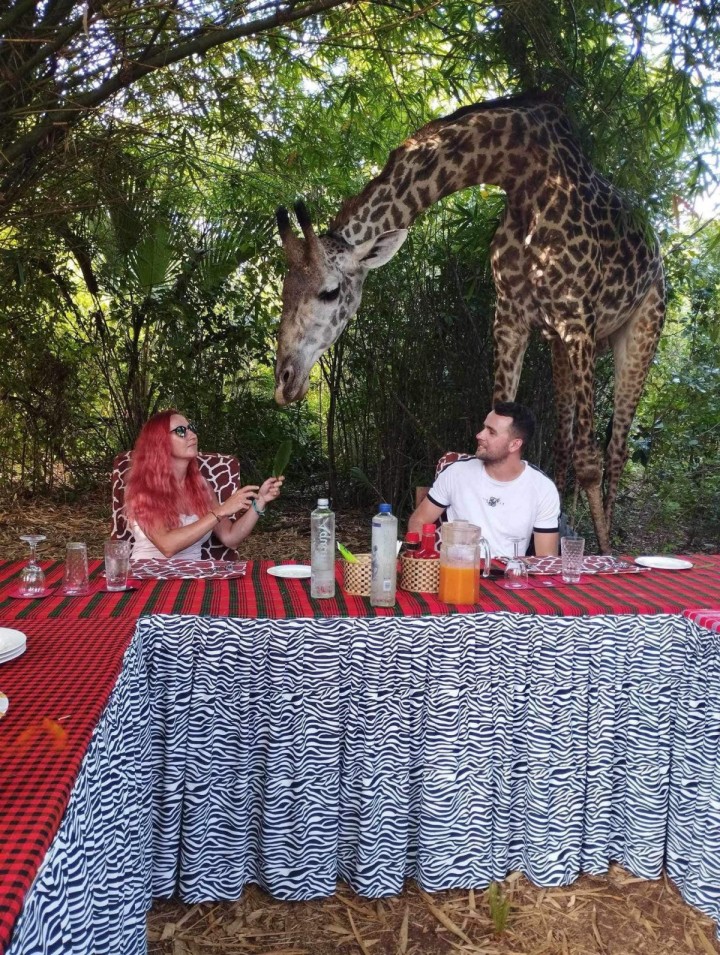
[[421, 492], [222, 472]]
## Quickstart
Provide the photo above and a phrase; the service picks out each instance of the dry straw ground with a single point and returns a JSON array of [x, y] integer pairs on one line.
[[615, 914]]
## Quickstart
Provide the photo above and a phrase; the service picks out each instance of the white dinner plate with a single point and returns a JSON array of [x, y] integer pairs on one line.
[[12, 644], [659, 562], [298, 571]]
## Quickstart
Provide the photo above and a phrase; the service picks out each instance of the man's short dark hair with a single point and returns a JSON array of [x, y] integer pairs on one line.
[[523, 425]]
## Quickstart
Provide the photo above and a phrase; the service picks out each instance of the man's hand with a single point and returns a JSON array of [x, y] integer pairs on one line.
[[425, 513]]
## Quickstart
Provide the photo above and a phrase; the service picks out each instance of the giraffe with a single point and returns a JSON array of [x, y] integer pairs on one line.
[[567, 260]]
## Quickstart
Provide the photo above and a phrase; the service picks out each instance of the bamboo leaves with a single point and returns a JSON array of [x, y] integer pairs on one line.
[[282, 458]]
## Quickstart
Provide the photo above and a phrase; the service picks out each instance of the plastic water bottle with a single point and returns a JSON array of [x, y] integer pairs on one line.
[[322, 550], [384, 558]]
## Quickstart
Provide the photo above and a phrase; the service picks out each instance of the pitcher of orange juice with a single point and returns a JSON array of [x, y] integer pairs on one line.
[[462, 546]]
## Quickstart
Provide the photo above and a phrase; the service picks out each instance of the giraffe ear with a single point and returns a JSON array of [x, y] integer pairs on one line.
[[376, 252]]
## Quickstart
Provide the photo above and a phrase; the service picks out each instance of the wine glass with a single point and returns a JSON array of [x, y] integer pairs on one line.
[[516, 572], [32, 579]]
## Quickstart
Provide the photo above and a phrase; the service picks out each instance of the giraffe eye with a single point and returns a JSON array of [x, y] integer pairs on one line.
[[329, 295]]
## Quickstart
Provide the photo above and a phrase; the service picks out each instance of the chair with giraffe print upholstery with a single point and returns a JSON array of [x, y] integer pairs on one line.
[[222, 472]]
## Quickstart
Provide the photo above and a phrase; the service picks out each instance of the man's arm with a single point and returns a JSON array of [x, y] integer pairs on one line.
[[546, 545], [546, 520], [425, 513]]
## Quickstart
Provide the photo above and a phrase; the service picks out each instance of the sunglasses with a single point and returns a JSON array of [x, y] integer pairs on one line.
[[182, 429]]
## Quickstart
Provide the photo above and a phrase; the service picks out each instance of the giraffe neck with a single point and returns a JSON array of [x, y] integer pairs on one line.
[[475, 145]]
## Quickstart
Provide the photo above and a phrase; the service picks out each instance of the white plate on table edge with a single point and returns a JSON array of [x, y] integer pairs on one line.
[[664, 563], [17, 652], [297, 571], [13, 643], [10, 639]]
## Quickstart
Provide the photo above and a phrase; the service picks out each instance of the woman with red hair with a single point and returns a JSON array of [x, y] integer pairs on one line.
[[170, 506]]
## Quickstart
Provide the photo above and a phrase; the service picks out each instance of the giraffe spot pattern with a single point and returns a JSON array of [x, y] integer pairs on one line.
[[573, 245]]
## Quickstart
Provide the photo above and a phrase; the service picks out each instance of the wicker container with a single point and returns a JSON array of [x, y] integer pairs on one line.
[[420, 576], [356, 577]]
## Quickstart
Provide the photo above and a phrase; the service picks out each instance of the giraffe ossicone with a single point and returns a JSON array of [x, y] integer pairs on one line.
[[567, 259], [321, 293]]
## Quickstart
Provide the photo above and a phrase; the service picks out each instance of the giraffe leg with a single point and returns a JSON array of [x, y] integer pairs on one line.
[[633, 348], [564, 412], [510, 336], [580, 351]]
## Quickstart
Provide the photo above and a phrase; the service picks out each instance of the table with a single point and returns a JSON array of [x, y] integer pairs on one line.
[[693, 837], [294, 752]]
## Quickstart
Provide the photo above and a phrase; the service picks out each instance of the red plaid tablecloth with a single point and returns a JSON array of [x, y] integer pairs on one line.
[[710, 619], [59, 687], [258, 594], [57, 690]]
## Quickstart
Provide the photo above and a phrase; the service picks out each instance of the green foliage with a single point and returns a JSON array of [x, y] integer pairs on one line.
[[282, 457], [675, 444], [139, 266], [358, 475], [52, 435], [499, 906]]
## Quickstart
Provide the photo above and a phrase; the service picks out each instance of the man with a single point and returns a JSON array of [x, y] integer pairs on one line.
[[497, 490]]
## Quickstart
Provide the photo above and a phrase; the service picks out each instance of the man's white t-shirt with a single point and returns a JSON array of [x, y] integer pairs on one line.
[[501, 509], [143, 548]]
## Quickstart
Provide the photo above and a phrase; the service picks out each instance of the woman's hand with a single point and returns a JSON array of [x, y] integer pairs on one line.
[[231, 534], [269, 491], [239, 500]]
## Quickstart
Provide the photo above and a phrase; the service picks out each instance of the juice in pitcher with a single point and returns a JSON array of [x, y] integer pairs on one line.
[[462, 545], [459, 585]]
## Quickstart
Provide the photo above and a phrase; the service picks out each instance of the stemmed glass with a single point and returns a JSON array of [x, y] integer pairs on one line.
[[32, 579], [516, 572]]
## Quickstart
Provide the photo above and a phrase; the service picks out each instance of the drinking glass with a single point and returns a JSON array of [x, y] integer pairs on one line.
[[76, 579], [117, 564], [516, 572], [572, 550], [32, 579]]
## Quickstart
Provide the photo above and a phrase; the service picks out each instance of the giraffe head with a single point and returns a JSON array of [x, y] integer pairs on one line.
[[321, 293]]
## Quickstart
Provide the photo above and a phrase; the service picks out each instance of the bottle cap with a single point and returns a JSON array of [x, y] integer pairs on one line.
[[386, 508], [412, 537], [428, 528], [323, 502]]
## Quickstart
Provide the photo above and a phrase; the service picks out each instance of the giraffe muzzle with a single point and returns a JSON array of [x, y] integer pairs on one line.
[[289, 386]]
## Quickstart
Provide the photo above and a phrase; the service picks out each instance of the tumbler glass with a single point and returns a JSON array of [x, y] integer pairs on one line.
[[572, 550], [76, 579], [117, 564]]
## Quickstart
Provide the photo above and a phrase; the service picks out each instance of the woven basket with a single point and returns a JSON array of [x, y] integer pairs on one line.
[[420, 576], [356, 577]]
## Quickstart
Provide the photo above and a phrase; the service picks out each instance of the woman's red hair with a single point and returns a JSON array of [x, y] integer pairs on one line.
[[154, 497]]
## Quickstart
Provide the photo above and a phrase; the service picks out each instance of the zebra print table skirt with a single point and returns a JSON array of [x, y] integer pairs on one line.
[[296, 753]]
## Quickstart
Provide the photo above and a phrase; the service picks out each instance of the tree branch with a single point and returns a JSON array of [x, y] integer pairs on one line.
[[47, 130], [16, 13]]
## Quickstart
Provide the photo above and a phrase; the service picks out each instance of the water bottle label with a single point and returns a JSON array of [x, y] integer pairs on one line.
[[324, 536], [387, 585]]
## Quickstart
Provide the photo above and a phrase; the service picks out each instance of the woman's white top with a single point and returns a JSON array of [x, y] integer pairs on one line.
[[144, 549]]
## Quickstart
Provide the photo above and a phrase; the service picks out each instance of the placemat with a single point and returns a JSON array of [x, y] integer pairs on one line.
[[592, 564], [176, 569]]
